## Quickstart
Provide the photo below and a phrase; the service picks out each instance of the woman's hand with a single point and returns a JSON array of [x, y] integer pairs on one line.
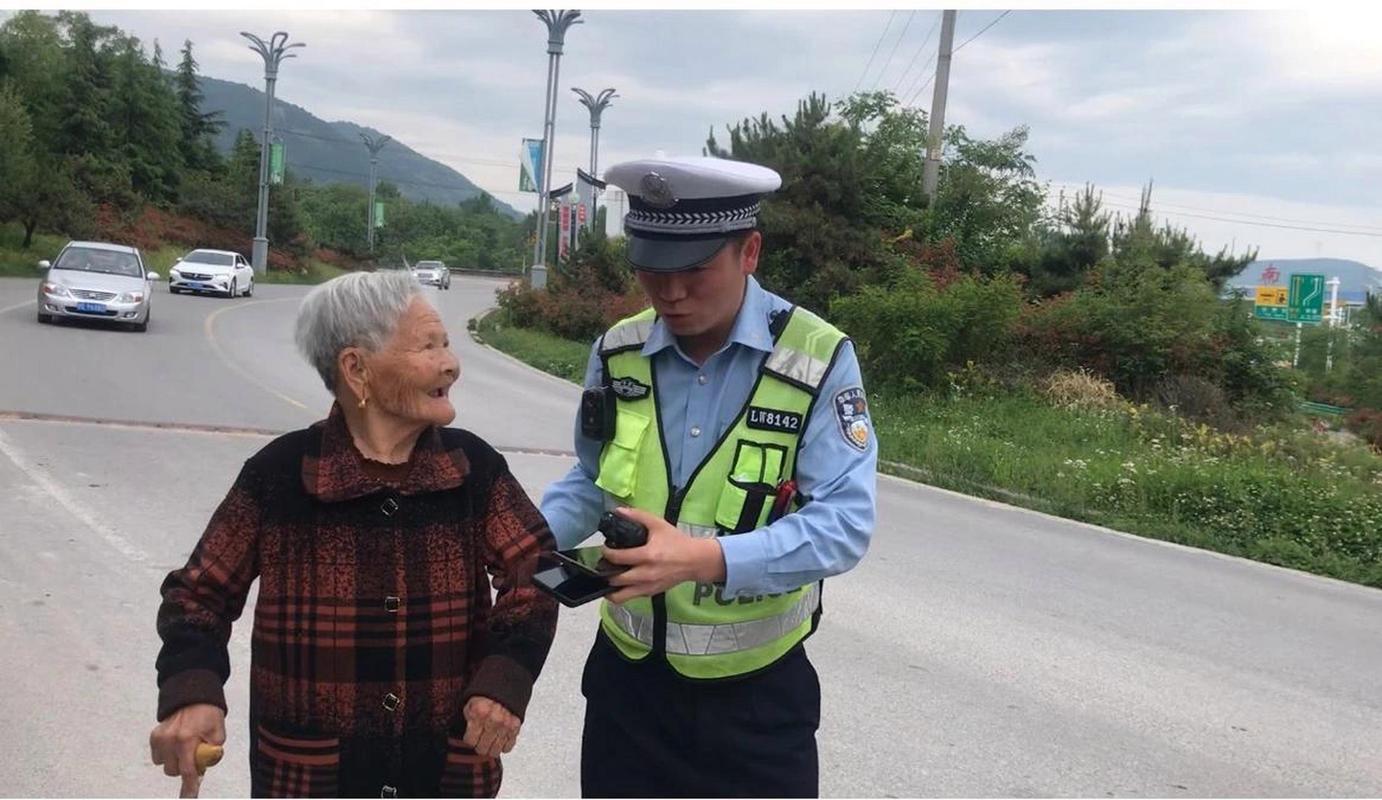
[[490, 729], [173, 742]]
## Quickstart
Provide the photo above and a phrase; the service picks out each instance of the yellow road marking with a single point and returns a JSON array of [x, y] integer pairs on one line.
[[210, 328]]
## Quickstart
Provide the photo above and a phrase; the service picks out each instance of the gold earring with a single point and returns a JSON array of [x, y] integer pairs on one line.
[[364, 401]]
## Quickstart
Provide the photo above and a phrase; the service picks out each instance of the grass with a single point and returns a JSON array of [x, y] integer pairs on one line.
[[552, 354], [1279, 494], [16, 262], [316, 272], [20, 263]]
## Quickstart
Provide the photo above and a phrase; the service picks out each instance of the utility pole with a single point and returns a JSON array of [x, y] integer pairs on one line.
[[931, 170], [273, 52], [1333, 284], [597, 106], [374, 146], [557, 23]]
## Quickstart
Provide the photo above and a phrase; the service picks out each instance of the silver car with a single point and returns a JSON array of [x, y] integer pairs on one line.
[[96, 280], [432, 273], [220, 271]]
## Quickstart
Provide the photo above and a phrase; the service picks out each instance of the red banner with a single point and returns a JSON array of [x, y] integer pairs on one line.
[[564, 240]]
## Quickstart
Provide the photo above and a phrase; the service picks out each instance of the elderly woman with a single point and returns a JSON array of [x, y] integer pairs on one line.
[[380, 666]]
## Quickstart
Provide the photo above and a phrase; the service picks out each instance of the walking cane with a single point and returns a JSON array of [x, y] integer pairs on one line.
[[208, 755]]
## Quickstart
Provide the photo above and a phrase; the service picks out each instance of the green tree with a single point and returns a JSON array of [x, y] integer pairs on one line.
[[16, 156], [144, 124], [84, 127], [198, 128]]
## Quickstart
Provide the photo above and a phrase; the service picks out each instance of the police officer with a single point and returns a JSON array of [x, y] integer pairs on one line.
[[734, 426]]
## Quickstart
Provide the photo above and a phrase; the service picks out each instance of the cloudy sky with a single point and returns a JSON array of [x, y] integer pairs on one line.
[[1259, 128]]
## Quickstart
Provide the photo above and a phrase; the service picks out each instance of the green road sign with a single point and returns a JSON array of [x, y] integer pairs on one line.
[[276, 163], [1276, 313], [378, 213], [1306, 303]]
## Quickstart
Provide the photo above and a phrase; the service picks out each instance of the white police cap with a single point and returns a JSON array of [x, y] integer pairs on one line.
[[683, 210]]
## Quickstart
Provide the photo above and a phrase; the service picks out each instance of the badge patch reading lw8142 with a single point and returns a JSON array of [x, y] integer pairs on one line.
[[852, 410]]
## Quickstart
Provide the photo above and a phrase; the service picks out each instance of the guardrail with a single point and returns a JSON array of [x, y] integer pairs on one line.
[[1323, 409]]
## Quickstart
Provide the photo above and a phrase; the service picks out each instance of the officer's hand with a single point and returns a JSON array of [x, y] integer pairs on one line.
[[670, 557], [173, 742], [490, 729]]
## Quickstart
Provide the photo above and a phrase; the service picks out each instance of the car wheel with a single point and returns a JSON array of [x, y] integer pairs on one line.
[[232, 292], [249, 290], [45, 319], [141, 327]]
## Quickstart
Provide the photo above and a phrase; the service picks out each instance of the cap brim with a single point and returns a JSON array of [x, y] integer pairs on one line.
[[672, 255]]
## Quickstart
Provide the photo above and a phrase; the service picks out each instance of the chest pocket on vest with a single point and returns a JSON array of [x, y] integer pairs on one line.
[[619, 461], [745, 500]]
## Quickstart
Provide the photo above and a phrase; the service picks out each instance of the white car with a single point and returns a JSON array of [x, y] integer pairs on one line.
[[432, 273], [96, 280], [220, 271]]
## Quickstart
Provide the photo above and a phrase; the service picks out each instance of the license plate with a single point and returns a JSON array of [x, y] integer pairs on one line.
[[92, 308]]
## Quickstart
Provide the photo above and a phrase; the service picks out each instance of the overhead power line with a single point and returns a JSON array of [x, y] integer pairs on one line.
[[893, 52], [915, 56], [876, 45], [1157, 211], [981, 30], [1267, 217]]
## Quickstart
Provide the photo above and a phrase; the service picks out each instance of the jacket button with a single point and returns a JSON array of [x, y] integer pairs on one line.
[[391, 701], [388, 507], [388, 791], [392, 604], [695, 431]]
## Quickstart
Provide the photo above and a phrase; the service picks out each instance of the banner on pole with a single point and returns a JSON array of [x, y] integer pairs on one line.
[[564, 240], [276, 163], [530, 165], [378, 213]]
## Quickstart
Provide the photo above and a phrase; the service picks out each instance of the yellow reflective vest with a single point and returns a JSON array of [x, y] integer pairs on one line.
[[701, 633]]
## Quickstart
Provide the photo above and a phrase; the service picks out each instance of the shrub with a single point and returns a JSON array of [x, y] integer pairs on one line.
[[911, 334]]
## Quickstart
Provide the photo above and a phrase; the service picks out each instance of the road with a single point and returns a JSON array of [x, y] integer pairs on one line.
[[978, 650]]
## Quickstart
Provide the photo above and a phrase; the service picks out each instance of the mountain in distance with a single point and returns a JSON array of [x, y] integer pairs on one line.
[[331, 152], [1356, 279]]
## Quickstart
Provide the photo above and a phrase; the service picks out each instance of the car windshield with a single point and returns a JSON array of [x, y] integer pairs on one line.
[[110, 262], [429, 265], [208, 257]]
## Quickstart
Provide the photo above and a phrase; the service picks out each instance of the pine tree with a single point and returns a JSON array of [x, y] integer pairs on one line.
[[198, 128]]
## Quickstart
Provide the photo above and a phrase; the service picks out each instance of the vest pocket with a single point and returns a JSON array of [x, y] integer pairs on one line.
[[619, 460], [745, 499]]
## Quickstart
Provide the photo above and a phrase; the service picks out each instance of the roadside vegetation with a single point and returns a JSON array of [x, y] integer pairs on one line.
[[1071, 360]]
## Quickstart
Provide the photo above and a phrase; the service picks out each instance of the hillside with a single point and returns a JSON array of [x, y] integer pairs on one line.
[[331, 152]]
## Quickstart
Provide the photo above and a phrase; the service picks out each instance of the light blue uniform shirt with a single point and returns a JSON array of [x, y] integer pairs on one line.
[[826, 536]]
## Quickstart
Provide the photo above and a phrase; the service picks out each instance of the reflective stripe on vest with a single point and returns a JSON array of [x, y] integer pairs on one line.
[[797, 366], [625, 335], [729, 637]]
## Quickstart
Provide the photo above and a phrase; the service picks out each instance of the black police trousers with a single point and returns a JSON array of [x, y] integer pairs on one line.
[[651, 733]]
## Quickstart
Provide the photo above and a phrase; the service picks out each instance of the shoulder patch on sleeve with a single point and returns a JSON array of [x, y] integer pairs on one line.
[[852, 410]]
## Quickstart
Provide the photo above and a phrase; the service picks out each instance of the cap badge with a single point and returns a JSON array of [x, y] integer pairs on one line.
[[656, 192]]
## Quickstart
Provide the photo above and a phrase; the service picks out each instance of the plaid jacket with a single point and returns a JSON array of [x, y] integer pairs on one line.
[[374, 622]]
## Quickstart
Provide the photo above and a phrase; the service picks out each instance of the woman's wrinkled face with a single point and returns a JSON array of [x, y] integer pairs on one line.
[[410, 377]]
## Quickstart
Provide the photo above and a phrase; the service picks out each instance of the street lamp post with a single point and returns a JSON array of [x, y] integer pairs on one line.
[[557, 23], [374, 146], [273, 52], [597, 106]]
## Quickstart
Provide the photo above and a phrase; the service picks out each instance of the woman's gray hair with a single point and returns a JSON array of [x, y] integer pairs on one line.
[[359, 309]]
